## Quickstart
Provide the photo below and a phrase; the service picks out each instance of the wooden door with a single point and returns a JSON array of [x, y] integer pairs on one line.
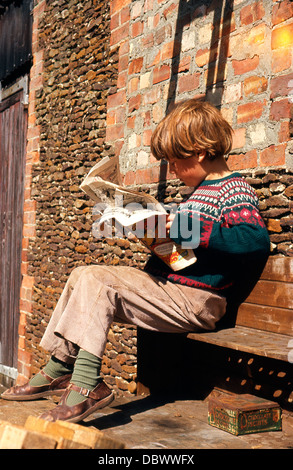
[[13, 124]]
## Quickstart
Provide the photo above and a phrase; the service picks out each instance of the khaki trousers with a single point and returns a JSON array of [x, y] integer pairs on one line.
[[95, 296]]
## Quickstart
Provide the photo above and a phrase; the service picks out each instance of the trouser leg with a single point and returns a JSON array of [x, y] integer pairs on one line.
[[96, 296]]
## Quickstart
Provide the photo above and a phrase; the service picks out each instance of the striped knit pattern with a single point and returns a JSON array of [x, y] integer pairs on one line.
[[231, 231]]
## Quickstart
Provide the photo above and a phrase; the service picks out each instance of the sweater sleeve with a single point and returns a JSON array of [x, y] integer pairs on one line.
[[239, 229]]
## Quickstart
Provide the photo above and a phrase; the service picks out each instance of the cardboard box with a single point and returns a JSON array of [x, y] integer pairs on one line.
[[244, 414]]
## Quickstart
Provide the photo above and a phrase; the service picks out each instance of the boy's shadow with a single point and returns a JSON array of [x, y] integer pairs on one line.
[[123, 412], [165, 373]]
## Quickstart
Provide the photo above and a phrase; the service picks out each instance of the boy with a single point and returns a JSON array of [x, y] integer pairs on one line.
[[194, 138]]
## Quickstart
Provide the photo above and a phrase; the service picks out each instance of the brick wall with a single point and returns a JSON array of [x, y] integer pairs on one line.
[[238, 55], [104, 75]]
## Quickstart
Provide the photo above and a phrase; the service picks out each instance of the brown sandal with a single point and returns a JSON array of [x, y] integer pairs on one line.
[[27, 392], [97, 398]]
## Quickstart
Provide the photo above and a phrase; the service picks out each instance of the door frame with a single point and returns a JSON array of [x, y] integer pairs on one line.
[[9, 374]]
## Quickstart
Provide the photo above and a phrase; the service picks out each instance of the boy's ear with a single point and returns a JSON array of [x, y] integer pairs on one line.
[[201, 156]]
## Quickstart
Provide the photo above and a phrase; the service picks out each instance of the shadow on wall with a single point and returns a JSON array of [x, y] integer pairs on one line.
[[188, 10]]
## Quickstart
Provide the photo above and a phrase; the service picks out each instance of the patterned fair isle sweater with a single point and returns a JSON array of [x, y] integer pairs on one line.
[[233, 239]]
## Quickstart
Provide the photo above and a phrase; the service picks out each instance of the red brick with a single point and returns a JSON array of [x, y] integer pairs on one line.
[[147, 137], [205, 56], [148, 40], [239, 136], [170, 9], [184, 64], [115, 21], [114, 132], [124, 48], [21, 330], [152, 96], [117, 116], [280, 110], [188, 82], [21, 342], [148, 175], [251, 13], [282, 36], [125, 15], [131, 122], [134, 103], [246, 65], [36, 82], [29, 218], [156, 60], [280, 86], [243, 161], [25, 243], [29, 231], [117, 99], [162, 33], [21, 379], [281, 59], [25, 306], [111, 117], [282, 11], [24, 267], [157, 18], [123, 63], [39, 9], [133, 84], [28, 282], [135, 65], [24, 373], [129, 178], [169, 50], [26, 294], [249, 111], [117, 5], [147, 118], [273, 155], [118, 144], [29, 205], [122, 80], [254, 85], [137, 29], [284, 132], [161, 74], [119, 34]]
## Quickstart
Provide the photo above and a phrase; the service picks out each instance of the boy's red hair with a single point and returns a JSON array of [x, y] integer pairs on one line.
[[191, 127]]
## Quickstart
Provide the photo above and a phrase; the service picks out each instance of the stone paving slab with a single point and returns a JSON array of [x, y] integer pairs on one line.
[[153, 423]]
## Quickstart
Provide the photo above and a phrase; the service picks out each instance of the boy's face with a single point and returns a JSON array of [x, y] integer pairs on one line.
[[188, 170]]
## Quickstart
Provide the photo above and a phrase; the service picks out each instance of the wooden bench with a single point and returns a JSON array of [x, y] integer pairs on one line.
[[254, 356], [264, 323]]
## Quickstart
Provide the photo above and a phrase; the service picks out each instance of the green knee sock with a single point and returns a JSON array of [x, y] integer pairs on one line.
[[86, 374], [54, 369]]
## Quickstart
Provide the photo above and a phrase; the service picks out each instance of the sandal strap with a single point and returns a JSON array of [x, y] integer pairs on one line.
[[47, 377], [94, 394]]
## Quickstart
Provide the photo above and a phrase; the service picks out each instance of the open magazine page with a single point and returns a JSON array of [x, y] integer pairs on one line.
[[137, 211]]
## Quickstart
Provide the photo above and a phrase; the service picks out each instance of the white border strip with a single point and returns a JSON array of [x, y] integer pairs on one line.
[[21, 84], [8, 371]]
